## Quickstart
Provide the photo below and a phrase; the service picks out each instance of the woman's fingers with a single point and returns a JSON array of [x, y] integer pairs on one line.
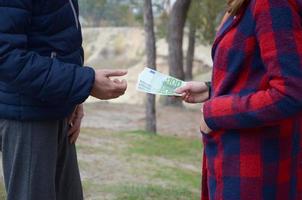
[[183, 89], [188, 98]]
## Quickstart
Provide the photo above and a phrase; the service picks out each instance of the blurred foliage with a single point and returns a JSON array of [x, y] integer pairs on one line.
[[161, 24], [206, 15], [111, 12], [92, 10]]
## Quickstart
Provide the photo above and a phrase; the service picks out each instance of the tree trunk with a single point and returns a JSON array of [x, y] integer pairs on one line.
[[168, 6], [176, 26], [190, 53], [151, 63]]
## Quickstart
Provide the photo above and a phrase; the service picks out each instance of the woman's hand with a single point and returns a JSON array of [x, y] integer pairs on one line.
[[194, 92], [203, 125], [74, 122]]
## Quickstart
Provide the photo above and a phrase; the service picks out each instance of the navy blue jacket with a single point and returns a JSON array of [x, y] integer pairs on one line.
[[41, 59]]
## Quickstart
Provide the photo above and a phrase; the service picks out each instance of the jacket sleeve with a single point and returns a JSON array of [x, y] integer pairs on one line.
[[279, 35], [31, 74]]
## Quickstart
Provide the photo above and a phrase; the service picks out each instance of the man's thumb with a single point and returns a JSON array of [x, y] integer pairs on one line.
[[110, 73]]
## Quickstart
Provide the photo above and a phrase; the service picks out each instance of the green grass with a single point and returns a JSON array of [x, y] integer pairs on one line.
[[155, 167], [152, 192], [137, 166], [179, 177], [169, 147], [91, 189], [2, 191]]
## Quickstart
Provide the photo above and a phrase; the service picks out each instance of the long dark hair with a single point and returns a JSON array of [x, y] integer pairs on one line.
[[234, 6]]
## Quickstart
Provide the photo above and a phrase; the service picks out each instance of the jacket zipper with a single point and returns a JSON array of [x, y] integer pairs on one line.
[[74, 13], [53, 54]]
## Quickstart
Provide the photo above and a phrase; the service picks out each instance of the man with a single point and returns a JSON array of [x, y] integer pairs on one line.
[[42, 82]]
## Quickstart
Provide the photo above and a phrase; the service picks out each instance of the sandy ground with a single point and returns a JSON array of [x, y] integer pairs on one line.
[[127, 117], [120, 45], [104, 162], [108, 117], [182, 122]]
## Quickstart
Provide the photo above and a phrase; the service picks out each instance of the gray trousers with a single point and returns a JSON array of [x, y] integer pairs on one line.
[[39, 163]]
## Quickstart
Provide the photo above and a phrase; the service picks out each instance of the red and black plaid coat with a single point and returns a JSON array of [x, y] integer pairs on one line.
[[255, 112]]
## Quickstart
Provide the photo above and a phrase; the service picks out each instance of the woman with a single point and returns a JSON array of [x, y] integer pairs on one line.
[[252, 124]]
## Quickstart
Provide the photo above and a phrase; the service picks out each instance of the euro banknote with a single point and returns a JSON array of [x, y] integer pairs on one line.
[[154, 82]]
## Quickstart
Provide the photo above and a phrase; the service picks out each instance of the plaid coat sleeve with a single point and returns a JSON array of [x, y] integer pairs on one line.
[[278, 32]]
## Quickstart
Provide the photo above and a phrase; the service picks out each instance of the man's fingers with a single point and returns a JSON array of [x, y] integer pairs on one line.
[[74, 133], [117, 81], [74, 136], [76, 124], [111, 73], [116, 95], [117, 89], [121, 86], [72, 129], [72, 116]]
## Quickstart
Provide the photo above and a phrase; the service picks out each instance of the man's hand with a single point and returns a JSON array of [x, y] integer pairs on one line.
[[74, 122], [104, 88], [194, 92]]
